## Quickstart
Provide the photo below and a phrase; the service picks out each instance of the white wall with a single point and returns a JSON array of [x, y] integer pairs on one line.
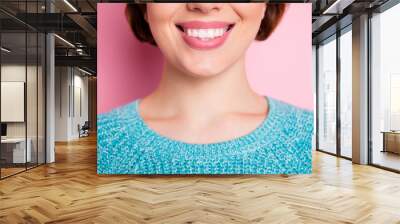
[[62, 81], [81, 84], [70, 83], [15, 72]]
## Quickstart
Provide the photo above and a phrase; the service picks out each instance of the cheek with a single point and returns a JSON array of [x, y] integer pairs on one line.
[[251, 14], [157, 11], [159, 17]]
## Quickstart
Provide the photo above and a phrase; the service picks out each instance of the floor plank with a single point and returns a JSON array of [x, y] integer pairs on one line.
[[70, 191]]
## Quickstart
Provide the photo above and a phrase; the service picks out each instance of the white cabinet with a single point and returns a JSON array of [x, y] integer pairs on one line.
[[19, 154]]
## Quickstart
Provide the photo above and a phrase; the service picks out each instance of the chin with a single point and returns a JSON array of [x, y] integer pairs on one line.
[[204, 72], [201, 67]]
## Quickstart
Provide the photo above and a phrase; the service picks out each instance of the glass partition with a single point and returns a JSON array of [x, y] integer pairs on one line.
[[31, 100], [327, 95], [22, 78], [14, 153], [41, 107]]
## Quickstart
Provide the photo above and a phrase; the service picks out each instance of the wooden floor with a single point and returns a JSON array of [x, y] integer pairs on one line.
[[388, 159], [70, 191], [5, 172]]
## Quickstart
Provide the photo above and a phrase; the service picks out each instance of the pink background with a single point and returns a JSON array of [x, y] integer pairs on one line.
[[279, 67]]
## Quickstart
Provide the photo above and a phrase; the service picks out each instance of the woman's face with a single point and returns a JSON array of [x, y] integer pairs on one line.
[[204, 39]]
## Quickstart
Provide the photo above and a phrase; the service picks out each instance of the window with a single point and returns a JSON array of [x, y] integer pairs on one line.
[[327, 95], [346, 93], [385, 89]]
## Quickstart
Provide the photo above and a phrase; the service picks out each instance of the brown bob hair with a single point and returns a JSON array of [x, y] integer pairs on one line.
[[135, 15]]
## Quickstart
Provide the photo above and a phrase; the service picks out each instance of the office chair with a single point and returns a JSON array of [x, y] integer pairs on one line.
[[84, 130]]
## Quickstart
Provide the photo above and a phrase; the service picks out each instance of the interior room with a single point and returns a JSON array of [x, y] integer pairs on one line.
[[48, 105]]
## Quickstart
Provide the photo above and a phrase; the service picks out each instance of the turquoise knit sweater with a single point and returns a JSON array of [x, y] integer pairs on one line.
[[280, 145]]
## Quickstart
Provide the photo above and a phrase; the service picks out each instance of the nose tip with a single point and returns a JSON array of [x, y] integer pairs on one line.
[[204, 7]]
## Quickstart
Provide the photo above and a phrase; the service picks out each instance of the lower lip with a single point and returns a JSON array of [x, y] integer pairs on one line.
[[199, 44]]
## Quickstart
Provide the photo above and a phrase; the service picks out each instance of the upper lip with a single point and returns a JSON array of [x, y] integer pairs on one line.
[[204, 25]]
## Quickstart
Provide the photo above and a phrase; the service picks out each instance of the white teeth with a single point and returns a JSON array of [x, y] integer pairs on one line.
[[195, 33], [205, 34]]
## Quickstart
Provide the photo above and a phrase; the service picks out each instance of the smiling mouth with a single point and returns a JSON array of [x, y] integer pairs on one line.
[[205, 34], [201, 35]]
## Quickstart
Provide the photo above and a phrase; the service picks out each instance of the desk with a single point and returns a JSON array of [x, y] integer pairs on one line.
[[18, 150], [391, 141]]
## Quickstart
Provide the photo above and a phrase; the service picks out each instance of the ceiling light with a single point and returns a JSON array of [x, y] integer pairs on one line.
[[70, 5], [5, 50], [338, 6], [84, 71], [65, 41]]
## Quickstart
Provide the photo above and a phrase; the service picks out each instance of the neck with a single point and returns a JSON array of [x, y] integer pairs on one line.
[[193, 95]]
